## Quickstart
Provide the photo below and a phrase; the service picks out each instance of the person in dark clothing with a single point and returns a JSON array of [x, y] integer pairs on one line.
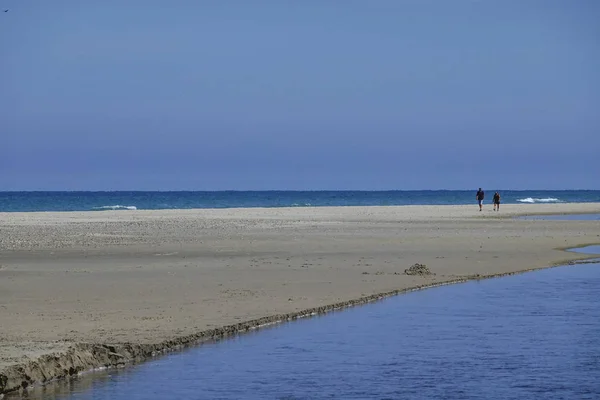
[[496, 201], [480, 196]]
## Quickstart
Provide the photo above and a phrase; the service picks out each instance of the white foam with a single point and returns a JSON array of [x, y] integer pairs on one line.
[[531, 200], [116, 207]]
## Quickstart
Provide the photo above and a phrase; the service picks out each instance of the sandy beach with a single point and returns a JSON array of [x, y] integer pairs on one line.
[[146, 277]]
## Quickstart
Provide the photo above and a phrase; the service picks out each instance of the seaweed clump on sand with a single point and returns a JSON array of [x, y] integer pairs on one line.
[[418, 269]]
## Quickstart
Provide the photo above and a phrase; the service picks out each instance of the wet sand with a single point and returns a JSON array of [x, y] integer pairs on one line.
[[146, 277]]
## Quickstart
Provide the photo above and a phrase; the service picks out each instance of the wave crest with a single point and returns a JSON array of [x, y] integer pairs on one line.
[[116, 207], [531, 200]]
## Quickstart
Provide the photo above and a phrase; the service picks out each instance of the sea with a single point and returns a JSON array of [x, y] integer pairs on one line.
[[140, 200]]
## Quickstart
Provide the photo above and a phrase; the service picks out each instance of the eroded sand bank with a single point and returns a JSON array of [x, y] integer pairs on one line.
[[150, 277]]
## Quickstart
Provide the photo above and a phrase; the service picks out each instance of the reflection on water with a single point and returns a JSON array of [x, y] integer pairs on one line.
[[530, 336]]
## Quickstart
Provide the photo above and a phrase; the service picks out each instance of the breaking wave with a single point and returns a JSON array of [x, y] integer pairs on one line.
[[117, 207], [532, 200]]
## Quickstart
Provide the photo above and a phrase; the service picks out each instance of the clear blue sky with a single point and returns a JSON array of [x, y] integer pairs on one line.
[[314, 94]]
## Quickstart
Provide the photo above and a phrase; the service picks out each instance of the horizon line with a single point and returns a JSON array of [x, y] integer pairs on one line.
[[274, 190]]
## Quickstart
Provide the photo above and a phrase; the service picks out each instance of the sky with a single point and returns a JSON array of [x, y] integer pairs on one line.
[[299, 95]]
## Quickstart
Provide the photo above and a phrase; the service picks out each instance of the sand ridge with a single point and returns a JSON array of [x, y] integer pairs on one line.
[[146, 277]]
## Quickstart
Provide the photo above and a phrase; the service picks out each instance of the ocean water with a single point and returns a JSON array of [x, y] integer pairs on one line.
[[529, 336], [98, 201]]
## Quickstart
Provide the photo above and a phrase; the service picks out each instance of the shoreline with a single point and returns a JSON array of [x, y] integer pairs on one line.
[[288, 207], [82, 356], [558, 206]]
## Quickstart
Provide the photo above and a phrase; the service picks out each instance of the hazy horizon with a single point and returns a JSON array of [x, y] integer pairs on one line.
[[491, 189]]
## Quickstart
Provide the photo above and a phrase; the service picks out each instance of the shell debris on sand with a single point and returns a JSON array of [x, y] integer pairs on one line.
[[418, 269]]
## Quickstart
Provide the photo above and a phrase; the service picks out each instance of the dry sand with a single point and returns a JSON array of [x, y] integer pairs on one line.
[[150, 276]]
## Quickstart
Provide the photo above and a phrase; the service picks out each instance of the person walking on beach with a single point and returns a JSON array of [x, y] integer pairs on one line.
[[480, 196], [496, 201]]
